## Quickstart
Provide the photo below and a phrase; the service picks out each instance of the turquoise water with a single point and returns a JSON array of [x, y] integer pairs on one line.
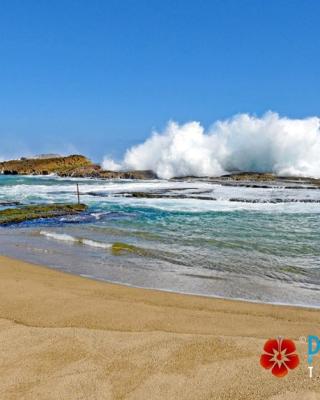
[[260, 251]]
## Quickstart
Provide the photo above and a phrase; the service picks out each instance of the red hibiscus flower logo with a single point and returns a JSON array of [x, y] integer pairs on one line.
[[280, 356]]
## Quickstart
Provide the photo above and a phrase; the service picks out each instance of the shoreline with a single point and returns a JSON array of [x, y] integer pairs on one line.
[[67, 336], [205, 296], [277, 265], [128, 285]]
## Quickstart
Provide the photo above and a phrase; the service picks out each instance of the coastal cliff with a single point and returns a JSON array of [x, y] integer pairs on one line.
[[77, 166], [44, 166]]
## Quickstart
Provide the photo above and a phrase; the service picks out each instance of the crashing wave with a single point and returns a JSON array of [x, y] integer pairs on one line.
[[284, 146]]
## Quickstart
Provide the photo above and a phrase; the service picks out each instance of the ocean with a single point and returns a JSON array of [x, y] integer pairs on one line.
[[190, 236]]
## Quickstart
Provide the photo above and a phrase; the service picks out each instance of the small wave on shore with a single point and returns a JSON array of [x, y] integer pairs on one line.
[[68, 238], [59, 236], [116, 248]]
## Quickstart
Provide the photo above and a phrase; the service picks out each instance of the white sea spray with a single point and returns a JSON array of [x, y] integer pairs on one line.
[[244, 142]]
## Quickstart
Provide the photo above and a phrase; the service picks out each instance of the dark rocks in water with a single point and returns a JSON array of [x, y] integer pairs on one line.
[[270, 180], [147, 174], [169, 194], [144, 195], [274, 201], [249, 176], [257, 180], [83, 171], [28, 213], [267, 177], [163, 195], [158, 194], [149, 195], [97, 194], [232, 178], [95, 171], [9, 203]]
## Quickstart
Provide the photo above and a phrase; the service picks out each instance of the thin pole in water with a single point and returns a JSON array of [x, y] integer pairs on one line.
[[78, 193]]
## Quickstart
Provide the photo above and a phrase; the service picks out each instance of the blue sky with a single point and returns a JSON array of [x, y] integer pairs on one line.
[[98, 76]]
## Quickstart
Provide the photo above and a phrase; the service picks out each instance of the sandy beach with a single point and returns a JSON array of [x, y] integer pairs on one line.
[[67, 337]]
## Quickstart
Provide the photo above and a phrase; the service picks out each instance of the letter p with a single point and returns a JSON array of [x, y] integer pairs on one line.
[[313, 347]]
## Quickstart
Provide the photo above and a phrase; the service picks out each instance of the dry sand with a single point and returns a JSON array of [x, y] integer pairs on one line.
[[66, 337]]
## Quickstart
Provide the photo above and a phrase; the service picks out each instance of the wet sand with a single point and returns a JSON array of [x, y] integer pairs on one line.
[[67, 337]]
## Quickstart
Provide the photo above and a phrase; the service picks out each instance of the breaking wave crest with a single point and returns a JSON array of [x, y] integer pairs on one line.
[[287, 147], [68, 238], [59, 236]]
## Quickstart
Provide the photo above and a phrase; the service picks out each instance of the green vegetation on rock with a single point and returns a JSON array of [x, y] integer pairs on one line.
[[119, 248], [27, 213]]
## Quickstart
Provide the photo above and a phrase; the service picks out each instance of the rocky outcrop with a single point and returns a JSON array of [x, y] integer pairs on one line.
[[40, 166], [76, 166]]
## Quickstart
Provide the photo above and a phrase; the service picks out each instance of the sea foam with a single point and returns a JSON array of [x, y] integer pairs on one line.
[[94, 243], [59, 236], [244, 143], [69, 238]]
